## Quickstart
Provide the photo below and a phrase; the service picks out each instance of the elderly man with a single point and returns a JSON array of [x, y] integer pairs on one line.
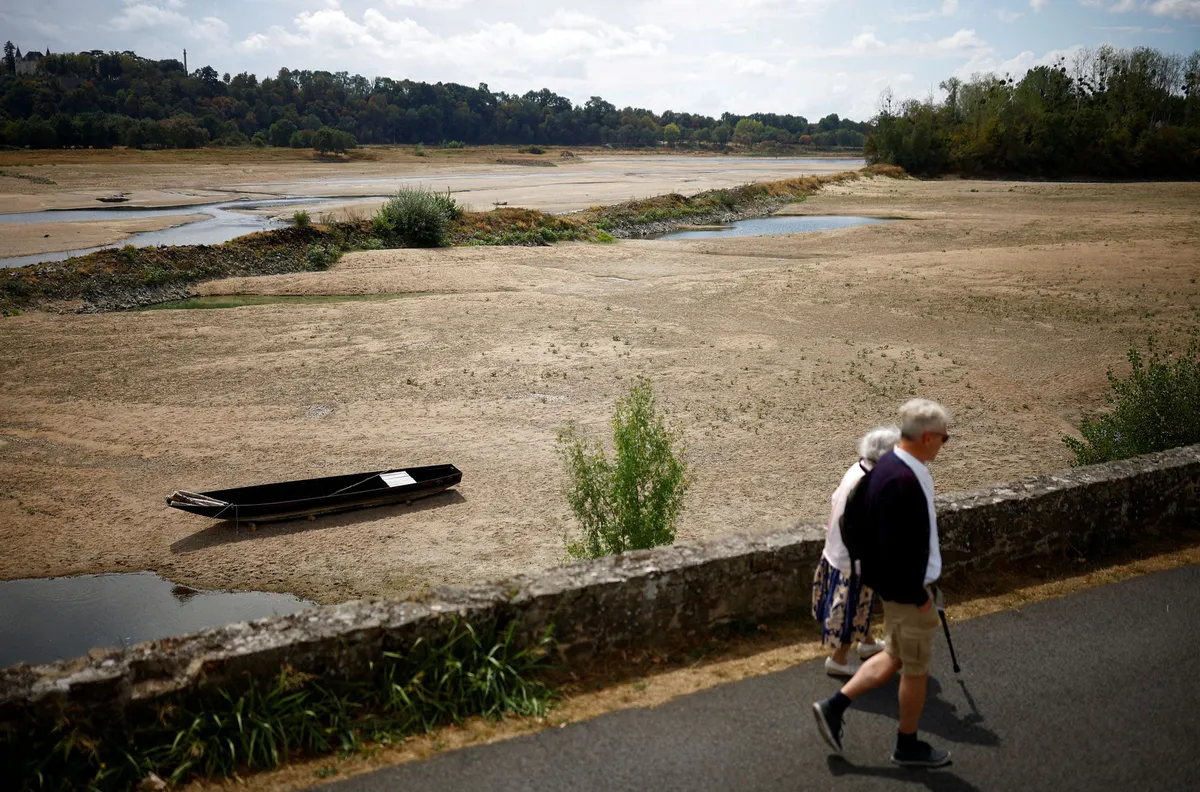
[[897, 512]]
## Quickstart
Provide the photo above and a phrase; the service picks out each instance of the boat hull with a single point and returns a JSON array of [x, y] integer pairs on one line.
[[309, 497]]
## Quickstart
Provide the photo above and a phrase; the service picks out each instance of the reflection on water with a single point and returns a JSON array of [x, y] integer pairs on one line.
[[46, 619], [768, 226]]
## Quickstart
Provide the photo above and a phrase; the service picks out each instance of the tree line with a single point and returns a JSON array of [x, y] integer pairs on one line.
[[105, 99], [1107, 112]]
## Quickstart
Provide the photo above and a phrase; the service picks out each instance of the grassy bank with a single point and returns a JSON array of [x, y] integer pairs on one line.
[[230, 731], [119, 278]]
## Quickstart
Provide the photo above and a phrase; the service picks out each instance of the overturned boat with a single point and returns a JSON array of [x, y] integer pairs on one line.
[[291, 499]]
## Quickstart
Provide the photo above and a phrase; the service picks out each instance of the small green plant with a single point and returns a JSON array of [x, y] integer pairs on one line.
[[301, 219], [321, 257], [632, 501], [1155, 408], [416, 217], [419, 150], [530, 150]]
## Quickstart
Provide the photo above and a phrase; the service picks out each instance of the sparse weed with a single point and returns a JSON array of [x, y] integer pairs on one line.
[[632, 501]]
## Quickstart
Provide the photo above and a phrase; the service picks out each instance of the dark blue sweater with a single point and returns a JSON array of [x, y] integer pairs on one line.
[[896, 517]]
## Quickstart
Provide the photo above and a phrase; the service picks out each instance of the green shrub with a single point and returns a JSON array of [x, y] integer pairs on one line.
[[301, 219], [419, 150], [633, 501], [415, 217], [454, 144], [530, 150], [1155, 408], [321, 257]]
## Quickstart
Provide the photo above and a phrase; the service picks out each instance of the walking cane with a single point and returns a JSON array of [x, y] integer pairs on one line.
[[941, 609]]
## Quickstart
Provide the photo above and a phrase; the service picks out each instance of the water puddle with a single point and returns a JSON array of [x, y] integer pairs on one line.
[[238, 300], [222, 225], [770, 226], [47, 619]]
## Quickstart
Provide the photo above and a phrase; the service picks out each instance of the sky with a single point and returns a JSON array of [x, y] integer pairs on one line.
[[805, 57]]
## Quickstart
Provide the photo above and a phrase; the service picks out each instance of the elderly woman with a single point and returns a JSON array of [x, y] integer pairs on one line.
[[845, 610]]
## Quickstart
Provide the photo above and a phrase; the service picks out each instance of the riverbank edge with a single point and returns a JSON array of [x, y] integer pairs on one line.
[[116, 279]]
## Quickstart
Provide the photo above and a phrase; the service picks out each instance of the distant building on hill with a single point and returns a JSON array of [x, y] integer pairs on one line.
[[29, 63]]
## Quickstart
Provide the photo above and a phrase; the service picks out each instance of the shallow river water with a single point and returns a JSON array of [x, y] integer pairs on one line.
[[47, 619]]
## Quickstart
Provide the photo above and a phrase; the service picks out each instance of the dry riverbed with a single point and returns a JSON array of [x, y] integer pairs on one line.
[[1007, 301], [76, 179]]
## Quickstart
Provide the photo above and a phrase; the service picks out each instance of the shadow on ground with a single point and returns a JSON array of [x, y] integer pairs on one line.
[[940, 717], [226, 531], [941, 780]]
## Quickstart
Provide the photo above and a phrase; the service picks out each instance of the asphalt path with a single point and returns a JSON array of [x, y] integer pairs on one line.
[[1095, 691]]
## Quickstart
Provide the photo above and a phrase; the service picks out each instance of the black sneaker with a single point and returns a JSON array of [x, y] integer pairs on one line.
[[923, 755], [829, 725]]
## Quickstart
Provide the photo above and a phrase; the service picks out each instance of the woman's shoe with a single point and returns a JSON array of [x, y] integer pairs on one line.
[[870, 650], [834, 668]]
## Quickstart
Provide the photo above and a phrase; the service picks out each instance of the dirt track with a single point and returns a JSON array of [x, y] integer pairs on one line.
[[1005, 301]]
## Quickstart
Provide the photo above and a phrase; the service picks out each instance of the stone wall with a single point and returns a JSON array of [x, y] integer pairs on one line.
[[670, 596]]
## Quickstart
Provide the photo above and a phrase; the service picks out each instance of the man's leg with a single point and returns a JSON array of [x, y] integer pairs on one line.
[[873, 673], [912, 701], [918, 639]]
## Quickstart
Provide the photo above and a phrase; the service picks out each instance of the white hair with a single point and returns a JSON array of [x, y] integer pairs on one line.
[[878, 442], [918, 416]]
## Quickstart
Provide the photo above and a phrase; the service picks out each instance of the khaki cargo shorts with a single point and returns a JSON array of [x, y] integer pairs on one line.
[[909, 636]]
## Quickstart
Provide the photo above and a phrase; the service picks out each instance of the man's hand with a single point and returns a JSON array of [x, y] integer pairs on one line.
[[928, 604]]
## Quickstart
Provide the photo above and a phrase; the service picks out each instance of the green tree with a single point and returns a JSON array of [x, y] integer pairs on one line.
[[323, 140], [671, 134], [281, 132], [10, 57], [632, 501], [748, 132]]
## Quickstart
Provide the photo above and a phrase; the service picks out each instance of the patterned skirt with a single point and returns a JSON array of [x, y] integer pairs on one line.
[[843, 610]]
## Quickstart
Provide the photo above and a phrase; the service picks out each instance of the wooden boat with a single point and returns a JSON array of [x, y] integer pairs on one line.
[[290, 499]]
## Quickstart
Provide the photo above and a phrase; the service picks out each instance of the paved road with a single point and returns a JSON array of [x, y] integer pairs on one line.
[[1097, 691]]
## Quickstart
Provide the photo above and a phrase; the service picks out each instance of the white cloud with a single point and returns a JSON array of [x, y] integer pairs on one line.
[[1163, 31], [1112, 6], [1038, 5], [432, 5], [141, 16], [949, 8], [1007, 16], [567, 35], [961, 41], [866, 40], [1178, 9], [1017, 66]]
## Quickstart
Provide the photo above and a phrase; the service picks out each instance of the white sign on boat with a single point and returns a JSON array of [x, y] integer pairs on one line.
[[397, 478]]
